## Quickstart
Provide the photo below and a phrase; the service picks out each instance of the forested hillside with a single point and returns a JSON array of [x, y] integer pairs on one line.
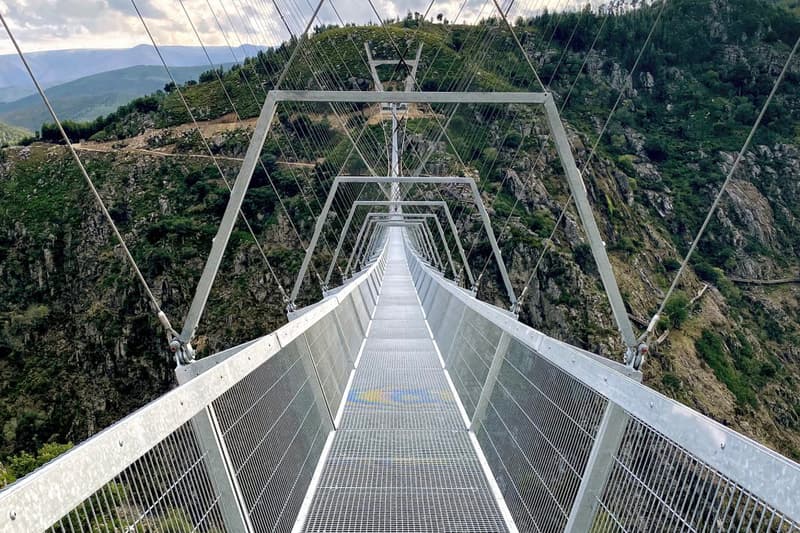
[[79, 346]]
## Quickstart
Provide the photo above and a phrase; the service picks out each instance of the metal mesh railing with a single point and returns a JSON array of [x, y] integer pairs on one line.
[[331, 356], [539, 428], [577, 446], [167, 489], [269, 433], [233, 449], [471, 356], [655, 485]]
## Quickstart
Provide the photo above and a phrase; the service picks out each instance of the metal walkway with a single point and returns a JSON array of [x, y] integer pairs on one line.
[[402, 458]]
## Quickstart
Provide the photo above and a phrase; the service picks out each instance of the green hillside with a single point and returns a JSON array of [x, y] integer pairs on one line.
[[11, 134], [792, 5], [88, 98], [71, 314]]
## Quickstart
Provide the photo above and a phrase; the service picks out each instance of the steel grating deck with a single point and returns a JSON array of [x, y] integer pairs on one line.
[[402, 459]]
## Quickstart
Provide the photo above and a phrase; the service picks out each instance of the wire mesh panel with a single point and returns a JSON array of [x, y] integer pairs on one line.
[[360, 308], [332, 358], [655, 485], [448, 328], [471, 357], [537, 435], [427, 294], [350, 326], [367, 298], [437, 315], [168, 489], [274, 429]]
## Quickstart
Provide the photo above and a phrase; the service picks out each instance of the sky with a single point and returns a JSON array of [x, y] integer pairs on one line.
[[68, 24]]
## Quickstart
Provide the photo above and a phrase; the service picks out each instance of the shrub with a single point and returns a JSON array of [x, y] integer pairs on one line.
[[671, 264], [671, 381], [24, 463], [677, 309]]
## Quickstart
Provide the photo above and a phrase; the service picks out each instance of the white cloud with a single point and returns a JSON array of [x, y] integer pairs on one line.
[[65, 24]]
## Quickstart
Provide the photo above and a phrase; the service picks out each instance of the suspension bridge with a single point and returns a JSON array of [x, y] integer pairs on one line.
[[400, 401]]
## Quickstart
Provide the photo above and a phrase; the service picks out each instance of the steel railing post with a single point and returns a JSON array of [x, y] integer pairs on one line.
[[598, 468], [491, 379], [220, 467]]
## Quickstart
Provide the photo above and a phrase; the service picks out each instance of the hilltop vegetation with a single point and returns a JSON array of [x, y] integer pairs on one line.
[[11, 134], [729, 351]]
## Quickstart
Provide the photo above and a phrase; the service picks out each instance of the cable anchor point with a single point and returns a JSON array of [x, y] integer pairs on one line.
[[516, 308], [183, 351], [635, 357]]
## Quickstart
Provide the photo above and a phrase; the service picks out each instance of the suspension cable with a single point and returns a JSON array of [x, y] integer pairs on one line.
[[129, 257], [562, 107], [238, 119], [203, 139], [596, 144], [722, 189], [519, 44]]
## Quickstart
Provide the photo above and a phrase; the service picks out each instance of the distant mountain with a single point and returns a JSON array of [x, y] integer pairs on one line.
[[11, 134], [60, 66], [92, 96]]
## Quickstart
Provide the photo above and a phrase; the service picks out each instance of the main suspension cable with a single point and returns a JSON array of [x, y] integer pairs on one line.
[[129, 257]]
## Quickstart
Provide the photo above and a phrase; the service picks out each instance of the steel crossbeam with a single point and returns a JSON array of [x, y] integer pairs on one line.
[[563, 148], [365, 237], [399, 204], [434, 180]]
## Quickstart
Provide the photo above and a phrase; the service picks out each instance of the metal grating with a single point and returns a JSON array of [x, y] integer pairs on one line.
[[402, 459], [401, 399], [401, 481], [408, 345], [399, 312], [399, 329], [471, 357], [399, 358]]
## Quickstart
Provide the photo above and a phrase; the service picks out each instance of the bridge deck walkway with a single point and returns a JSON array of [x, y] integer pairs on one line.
[[402, 458]]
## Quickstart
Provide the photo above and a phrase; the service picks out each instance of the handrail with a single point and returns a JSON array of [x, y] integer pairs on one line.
[[770, 478], [42, 498]]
